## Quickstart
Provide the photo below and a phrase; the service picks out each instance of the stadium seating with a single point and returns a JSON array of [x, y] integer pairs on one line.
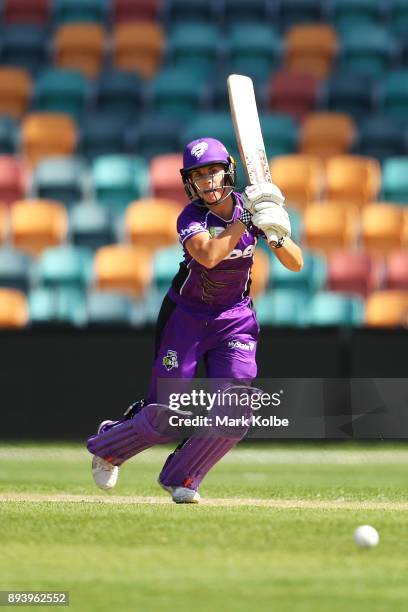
[[194, 46], [353, 271], [387, 308], [24, 46], [175, 92], [80, 46], [13, 309], [217, 124], [368, 49], [328, 227], [4, 222], [325, 134], [332, 308], [280, 133], [176, 11], [253, 49], [310, 49], [242, 11], [166, 263], [15, 91], [383, 228], [396, 276], [395, 179], [59, 178], [300, 177], [394, 94], [259, 273], [294, 12], [353, 179], [119, 179], [9, 134], [27, 11], [165, 177], [59, 90], [109, 308], [65, 305], [154, 136], [65, 266], [37, 224], [66, 11], [123, 268], [119, 92], [103, 133], [348, 92], [16, 269], [281, 307], [292, 93], [398, 16], [138, 47], [134, 10], [91, 225], [12, 179], [47, 134], [310, 278], [152, 223], [381, 137], [348, 13]]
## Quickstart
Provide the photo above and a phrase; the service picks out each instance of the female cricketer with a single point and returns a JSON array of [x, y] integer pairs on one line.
[[207, 313]]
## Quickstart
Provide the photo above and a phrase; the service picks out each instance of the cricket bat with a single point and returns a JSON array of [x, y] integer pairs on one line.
[[248, 129]]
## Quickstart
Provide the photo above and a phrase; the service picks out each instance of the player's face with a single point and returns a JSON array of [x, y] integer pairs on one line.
[[209, 182]]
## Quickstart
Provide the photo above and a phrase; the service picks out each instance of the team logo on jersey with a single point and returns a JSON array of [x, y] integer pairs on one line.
[[170, 360], [245, 346], [199, 149], [215, 231]]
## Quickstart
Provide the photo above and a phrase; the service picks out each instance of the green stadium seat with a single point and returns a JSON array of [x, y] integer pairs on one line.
[[347, 13], [282, 307], [394, 95], [295, 12], [16, 269], [253, 49], [395, 180], [154, 135], [398, 16], [102, 133], [92, 226], [65, 266], [242, 11], [175, 92], [119, 179], [71, 306], [194, 46], [348, 92], [166, 264], [60, 90], [66, 11], [109, 308], [48, 305], [9, 134], [59, 178], [280, 133], [42, 305], [180, 11], [381, 137], [119, 91], [310, 278], [24, 46], [368, 49], [332, 308]]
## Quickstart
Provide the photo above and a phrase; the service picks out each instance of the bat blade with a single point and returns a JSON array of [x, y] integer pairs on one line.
[[247, 128]]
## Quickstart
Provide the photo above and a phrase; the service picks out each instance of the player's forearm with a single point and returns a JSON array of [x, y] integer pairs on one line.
[[290, 255], [216, 249]]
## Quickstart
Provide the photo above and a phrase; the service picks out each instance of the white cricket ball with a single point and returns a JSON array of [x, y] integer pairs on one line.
[[366, 536]]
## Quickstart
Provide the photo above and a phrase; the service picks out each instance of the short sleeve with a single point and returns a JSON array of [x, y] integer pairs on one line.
[[188, 225]]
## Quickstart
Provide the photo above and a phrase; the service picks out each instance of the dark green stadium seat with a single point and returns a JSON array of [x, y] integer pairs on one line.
[[194, 46], [368, 49], [102, 133], [24, 46], [92, 226], [253, 49], [15, 269], [119, 91], [398, 16], [200, 11], [394, 95], [67, 11], [242, 11], [217, 125], [9, 134], [119, 179], [348, 92], [154, 135], [381, 137], [282, 307], [295, 12], [60, 90], [332, 308], [395, 180], [59, 178], [65, 266], [346, 13], [175, 92], [310, 278], [280, 133]]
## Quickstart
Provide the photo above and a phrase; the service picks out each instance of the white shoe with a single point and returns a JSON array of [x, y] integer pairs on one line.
[[104, 473], [182, 495]]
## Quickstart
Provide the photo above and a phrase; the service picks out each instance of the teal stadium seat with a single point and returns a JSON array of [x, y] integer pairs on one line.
[[68, 11], [60, 90], [24, 46], [48, 305], [368, 49], [253, 49], [9, 134], [194, 46], [154, 135], [16, 269], [381, 137], [165, 265], [109, 308], [310, 278], [60, 178], [242, 11], [394, 95], [398, 16], [65, 266], [119, 91], [215, 124], [395, 180], [103, 133], [295, 12], [331, 308], [200, 11], [119, 179], [280, 133], [92, 226], [346, 13], [348, 92], [175, 92], [282, 307]]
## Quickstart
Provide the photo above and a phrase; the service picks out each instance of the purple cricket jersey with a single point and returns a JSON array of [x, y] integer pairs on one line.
[[227, 284]]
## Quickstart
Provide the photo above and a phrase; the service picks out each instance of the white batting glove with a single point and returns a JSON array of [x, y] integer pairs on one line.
[[274, 221], [262, 192]]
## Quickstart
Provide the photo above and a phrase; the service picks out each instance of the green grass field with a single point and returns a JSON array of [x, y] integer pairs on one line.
[[274, 532]]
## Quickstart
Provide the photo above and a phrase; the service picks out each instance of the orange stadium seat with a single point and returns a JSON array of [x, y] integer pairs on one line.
[[386, 308], [383, 228], [329, 226], [13, 309], [152, 222], [80, 46], [300, 177], [353, 271], [12, 179], [310, 49], [138, 47], [37, 224], [351, 178], [166, 179], [15, 91], [292, 93], [46, 135], [4, 222], [135, 10], [326, 134], [259, 273], [123, 268]]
